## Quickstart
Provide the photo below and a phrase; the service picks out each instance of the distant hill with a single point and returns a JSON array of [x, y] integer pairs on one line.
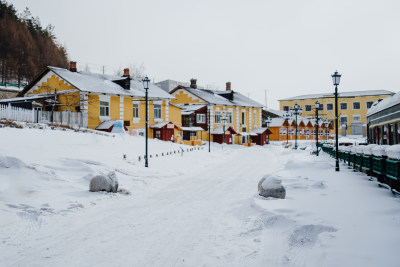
[[25, 46]]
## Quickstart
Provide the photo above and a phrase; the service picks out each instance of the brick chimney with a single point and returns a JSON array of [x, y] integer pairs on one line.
[[72, 66], [228, 86], [193, 83], [126, 73]]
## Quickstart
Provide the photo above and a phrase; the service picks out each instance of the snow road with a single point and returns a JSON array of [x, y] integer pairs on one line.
[[201, 209]]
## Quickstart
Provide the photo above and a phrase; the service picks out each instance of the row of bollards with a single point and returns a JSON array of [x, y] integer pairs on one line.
[[169, 153]]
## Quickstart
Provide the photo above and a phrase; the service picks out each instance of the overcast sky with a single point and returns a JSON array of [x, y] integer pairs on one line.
[[287, 47]]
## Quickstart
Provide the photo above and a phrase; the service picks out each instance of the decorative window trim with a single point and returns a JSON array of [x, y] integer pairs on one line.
[[200, 118]]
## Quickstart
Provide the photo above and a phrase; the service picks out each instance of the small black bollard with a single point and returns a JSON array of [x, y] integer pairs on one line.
[[139, 158], [162, 154], [124, 156]]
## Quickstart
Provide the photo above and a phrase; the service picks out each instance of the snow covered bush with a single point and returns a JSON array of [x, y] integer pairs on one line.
[[379, 151], [270, 186], [368, 149], [353, 149], [107, 183], [360, 149], [393, 152]]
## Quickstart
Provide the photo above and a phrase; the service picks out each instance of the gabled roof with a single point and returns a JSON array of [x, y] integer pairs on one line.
[[261, 130], [214, 97], [161, 124], [220, 130], [276, 122], [341, 94], [101, 83]]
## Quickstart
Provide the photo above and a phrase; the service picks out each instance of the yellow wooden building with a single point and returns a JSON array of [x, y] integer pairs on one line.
[[101, 98], [232, 110], [352, 107]]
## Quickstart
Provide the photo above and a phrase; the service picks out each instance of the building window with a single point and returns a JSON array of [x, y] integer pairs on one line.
[[356, 105], [308, 107], [356, 117], [158, 134], [157, 111], [243, 117], [343, 106], [285, 108], [343, 121], [104, 108], [255, 119], [217, 117], [329, 106], [136, 110], [369, 104], [321, 106], [201, 118], [229, 117]]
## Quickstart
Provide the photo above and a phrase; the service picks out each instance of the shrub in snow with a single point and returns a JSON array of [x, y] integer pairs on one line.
[[107, 183], [393, 152], [270, 186], [368, 149], [379, 151]]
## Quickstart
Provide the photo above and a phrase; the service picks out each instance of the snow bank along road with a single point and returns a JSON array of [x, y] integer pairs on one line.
[[200, 209]]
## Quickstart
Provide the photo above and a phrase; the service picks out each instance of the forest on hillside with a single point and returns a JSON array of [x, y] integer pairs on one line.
[[26, 47]]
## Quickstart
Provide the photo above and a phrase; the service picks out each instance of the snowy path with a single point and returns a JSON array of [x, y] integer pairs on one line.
[[198, 210]]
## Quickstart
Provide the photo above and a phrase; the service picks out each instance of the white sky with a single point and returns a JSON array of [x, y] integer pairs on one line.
[[287, 47]]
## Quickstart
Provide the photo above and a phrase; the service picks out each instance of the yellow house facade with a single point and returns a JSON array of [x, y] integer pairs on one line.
[[100, 98], [223, 108], [352, 107]]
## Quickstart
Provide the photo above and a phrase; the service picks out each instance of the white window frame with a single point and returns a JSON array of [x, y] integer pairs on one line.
[[136, 109], [327, 106], [157, 106], [366, 104], [340, 106], [104, 99], [285, 108], [217, 116], [357, 115], [201, 118], [229, 117], [359, 104], [347, 120], [243, 118], [307, 108]]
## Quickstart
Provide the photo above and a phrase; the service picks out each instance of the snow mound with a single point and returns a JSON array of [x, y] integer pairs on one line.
[[270, 186], [368, 149], [393, 152], [103, 183], [12, 163], [379, 151], [360, 149]]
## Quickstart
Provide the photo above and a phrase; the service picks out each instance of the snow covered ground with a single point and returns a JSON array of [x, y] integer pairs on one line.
[[199, 209]]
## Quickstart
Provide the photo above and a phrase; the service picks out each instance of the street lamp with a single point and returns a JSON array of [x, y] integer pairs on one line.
[[287, 116], [209, 126], [336, 80], [296, 110], [317, 106], [146, 82]]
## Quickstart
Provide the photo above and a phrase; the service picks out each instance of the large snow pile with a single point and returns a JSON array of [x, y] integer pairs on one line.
[[191, 209], [393, 152]]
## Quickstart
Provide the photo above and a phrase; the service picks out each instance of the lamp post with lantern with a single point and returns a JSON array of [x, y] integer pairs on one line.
[[146, 82], [336, 80], [287, 116], [317, 107], [296, 110]]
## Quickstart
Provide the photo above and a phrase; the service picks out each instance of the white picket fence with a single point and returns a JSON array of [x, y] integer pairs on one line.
[[65, 118]]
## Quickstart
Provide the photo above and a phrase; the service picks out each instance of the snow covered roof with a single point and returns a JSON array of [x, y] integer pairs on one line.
[[161, 124], [105, 125], [103, 84], [279, 113], [192, 129], [384, 104], [21, 99], [214, 97], [276, 122], [220, 130], [190, 109], [260, 130], [341, 94]]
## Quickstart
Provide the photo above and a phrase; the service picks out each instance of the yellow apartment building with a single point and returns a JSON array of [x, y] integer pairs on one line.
[[352, 107]]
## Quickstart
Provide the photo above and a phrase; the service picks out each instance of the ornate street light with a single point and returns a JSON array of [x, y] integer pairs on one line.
[[146, 82], [296, 110], [336, 80], [287, 116], [317, 107]]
